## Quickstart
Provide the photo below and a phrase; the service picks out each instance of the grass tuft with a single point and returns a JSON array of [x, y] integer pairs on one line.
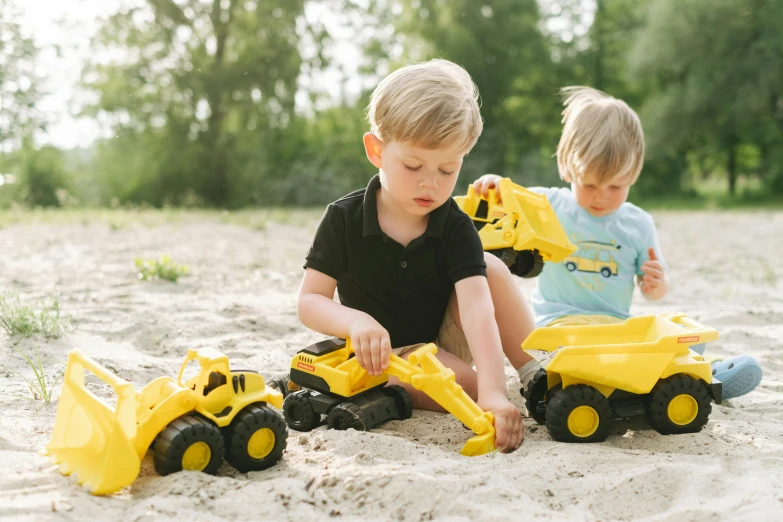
[[163, 268], [41, 386], [19, 319]]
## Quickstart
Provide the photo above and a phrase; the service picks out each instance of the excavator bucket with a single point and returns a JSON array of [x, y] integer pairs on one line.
[[479, 445], [89, 437]]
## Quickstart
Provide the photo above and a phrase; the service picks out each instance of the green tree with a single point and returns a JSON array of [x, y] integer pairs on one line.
[[718, 70], [500, 44], [19, 82], [200, 96]]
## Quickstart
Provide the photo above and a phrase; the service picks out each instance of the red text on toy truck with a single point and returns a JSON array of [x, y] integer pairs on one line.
[[304, 366]]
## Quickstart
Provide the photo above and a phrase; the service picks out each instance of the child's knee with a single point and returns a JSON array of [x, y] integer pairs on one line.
[[496, 269]]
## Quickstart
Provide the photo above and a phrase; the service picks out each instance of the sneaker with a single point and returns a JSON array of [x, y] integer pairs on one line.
[[739, 375]]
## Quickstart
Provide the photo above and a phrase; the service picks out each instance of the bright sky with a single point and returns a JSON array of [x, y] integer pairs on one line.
[[62, 72]]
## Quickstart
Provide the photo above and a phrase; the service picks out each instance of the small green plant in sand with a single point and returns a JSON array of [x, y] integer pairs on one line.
[[41, 385], [163, 268], [19, 319]]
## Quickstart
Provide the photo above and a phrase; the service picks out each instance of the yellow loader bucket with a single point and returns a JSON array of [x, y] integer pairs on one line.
[[89, 438]]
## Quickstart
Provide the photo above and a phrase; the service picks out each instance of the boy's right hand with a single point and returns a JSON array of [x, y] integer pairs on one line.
[[486, 183], [509, 429], [371, 344]]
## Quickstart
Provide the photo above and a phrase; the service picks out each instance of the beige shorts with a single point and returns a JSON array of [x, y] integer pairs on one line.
[[585, 320], [450, 339]]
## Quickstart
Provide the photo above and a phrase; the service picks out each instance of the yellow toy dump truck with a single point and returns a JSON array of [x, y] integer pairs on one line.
[[594, 374], [523, 230], [219, 413], [326, 380]]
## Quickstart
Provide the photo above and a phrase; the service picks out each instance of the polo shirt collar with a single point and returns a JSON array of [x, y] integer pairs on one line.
[[370, 226]]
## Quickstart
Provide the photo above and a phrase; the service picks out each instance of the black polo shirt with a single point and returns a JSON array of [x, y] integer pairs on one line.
[[405, 289]]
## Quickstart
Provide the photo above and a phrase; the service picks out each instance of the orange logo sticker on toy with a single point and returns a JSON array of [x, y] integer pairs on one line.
[[691, 339], [304, 366]]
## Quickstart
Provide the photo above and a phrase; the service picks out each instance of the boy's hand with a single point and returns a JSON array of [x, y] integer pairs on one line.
[[486, 183], [653, 273], [371, 344], [509, 430]]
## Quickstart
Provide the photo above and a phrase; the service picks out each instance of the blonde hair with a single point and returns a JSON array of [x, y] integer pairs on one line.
[[432, 104], [601, 136]]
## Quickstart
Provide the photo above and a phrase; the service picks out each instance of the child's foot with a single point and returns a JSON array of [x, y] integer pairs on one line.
[[739, 375]]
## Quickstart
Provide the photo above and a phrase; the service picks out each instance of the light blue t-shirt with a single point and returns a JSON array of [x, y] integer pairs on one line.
[[599, 277]]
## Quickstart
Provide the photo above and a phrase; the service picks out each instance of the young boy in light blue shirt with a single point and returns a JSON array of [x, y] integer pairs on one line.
[[601, 152]]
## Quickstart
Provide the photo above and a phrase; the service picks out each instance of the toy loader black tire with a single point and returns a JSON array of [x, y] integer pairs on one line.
[[299, 413], [661, 396], [346, 415], [256, 438], [565, 401], [523, 263], [182, 434], [537, 390], [402, 400]]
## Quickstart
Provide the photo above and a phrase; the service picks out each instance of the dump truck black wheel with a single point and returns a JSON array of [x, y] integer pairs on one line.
[[678, 404], [190, 443], [606, 272], [402, 400], [256, 438], [578, 413], [346, 415], [279, 381], [537, 388], [571, 266], [299, 413]]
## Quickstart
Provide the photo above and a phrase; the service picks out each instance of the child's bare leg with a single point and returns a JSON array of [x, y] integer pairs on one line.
[[463, 372], [512, 313]]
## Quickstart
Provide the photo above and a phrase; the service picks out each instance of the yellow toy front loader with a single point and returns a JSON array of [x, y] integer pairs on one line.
[[325, 379], [191, 425], [643, 366], [522, 230]]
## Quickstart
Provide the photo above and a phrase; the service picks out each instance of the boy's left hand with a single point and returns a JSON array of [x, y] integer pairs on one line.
[[509, 430], [653, 273]]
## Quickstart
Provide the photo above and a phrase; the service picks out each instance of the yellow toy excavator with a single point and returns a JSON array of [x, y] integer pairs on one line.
[[219, 413], [325, 379], [522, 230], [643, 366]]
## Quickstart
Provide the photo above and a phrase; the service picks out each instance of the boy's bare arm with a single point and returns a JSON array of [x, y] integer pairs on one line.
[[477, 316], [318, 311]]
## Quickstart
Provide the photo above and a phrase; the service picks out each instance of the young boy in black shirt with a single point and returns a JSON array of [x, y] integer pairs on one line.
[[407, 263]]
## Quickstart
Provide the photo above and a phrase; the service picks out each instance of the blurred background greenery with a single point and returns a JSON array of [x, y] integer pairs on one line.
[[228, 104]]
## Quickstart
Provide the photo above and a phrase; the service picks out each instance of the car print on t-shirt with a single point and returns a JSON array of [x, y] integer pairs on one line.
[[593, 256]]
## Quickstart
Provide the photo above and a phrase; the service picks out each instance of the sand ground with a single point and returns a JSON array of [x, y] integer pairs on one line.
[[240, 298]]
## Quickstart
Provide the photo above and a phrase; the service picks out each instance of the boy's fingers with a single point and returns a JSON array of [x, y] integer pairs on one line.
[[501, 437], [385, 352], [357, 351], [375, 355], [651, 254]]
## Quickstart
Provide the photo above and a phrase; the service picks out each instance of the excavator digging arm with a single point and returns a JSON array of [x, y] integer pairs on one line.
[[425, 372]]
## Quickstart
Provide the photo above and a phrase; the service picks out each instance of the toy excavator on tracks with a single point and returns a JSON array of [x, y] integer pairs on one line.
[[219, 413], [522, 230], [326, 380]]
